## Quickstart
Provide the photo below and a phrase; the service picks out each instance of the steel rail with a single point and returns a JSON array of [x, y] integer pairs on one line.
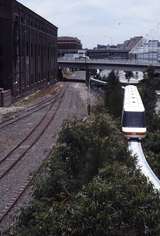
[[29, 134], [28, 112], [23, 189], [13, 161]]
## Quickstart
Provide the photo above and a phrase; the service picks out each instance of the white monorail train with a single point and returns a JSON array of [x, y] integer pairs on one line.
[[133, 114]]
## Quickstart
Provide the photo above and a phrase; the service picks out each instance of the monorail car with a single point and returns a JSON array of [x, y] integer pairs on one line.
[[133, 114]]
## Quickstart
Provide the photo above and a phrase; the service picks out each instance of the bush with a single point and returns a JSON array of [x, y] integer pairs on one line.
[[151, 143], [114, 96], [91, 187]]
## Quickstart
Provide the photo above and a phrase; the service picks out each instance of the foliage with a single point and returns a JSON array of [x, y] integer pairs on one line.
[[91, 187], [151, 143], [114, 95], [152, 149], [114, 203], [129, 74], [147, 90]]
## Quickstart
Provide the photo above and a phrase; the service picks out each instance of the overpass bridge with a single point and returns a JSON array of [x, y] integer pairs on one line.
[[89, 64]]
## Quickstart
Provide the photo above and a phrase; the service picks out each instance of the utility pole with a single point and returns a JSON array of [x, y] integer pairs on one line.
[[89, 98]]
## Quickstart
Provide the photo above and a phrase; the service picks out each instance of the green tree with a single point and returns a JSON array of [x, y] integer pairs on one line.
[[151, 143], [91, 187], [147, 90], [129, 75], [114, 95]]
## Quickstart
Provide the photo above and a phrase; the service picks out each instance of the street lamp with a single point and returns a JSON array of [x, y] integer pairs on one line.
[[89, 97], [89, 88]]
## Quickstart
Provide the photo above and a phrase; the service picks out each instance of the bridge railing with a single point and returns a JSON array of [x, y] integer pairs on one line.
[[109, 61]]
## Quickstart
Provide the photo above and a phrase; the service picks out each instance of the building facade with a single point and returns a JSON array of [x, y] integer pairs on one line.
[[132, 42], [28, 48], [68, 45], [146, 50], [110, 53]]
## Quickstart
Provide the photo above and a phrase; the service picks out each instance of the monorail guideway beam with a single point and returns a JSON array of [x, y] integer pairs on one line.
[[135, 148], [134, 131]]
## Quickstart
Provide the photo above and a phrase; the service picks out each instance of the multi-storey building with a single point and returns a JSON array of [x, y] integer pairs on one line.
[[132, 42], [120, 51], [28, 48], [108, 53], [68, 45], [146, 50]]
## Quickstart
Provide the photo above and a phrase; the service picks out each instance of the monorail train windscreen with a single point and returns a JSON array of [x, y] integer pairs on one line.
[[133, 119]]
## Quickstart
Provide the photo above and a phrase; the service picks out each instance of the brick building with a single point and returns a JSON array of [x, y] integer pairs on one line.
[[67, 45], [28, 48]]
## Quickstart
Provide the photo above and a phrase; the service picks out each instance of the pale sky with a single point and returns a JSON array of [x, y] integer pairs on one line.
[[101, 21]]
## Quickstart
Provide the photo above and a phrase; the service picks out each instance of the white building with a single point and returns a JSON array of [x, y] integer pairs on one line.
[[147, 50]]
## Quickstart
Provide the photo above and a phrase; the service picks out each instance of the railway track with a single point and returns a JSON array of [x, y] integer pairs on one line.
[[15, 156], [18, 194], [5, 163], [28, 112]]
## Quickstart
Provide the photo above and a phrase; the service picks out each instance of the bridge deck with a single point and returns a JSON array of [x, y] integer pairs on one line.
[[110, 64]]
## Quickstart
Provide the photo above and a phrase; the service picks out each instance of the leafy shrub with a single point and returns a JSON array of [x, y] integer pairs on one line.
[[91, 187], [114, 96]]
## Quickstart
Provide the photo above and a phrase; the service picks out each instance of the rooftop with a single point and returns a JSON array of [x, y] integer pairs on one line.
[[132, 99]]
